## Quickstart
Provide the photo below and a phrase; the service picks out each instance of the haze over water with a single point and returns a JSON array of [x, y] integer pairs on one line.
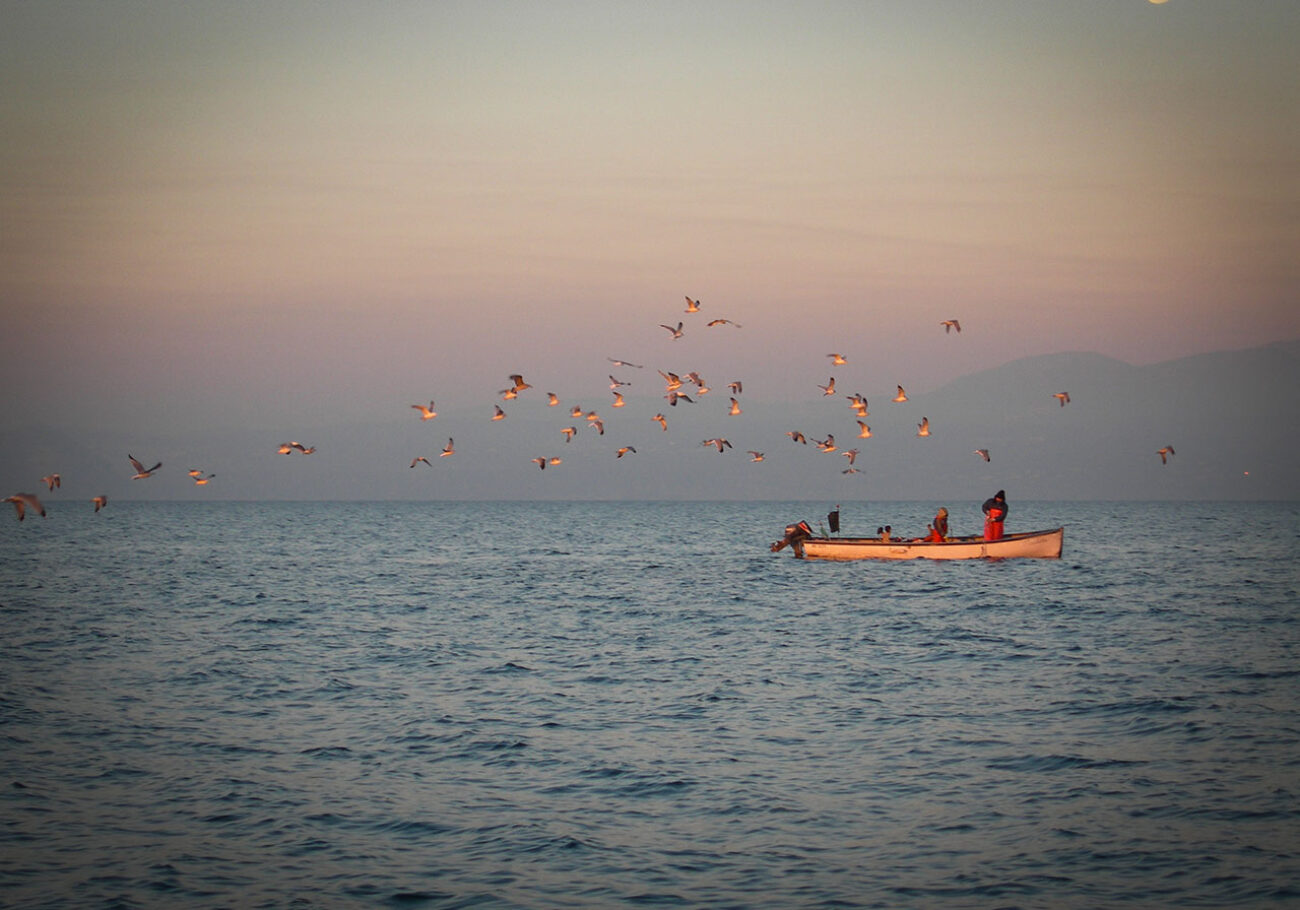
[[622, 704], [272, 218]]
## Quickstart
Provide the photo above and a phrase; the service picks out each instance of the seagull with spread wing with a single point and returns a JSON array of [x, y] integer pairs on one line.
[[141, 472], [677, 332], [24, 501]]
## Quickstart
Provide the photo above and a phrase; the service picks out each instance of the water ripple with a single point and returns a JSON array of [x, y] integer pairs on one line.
[[199, 709]]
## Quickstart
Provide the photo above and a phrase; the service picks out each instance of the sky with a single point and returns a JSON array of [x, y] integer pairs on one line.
[[281, 215]]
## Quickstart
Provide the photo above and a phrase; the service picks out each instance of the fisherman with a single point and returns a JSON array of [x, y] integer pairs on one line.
[[940, 525], [995, 513]]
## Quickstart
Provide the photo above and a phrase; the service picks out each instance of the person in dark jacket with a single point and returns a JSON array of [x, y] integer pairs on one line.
[[995, 512]]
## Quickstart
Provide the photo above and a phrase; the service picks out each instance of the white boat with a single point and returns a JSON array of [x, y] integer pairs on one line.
[[1034, 544]]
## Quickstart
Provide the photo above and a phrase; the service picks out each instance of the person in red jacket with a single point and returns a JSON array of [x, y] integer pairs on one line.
[[940, 525], [995, 512]]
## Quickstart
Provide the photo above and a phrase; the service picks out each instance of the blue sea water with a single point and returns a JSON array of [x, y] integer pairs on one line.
[[637, 704]]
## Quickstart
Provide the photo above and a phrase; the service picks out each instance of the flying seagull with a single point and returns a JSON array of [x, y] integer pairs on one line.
[[714, 322], [662, 421], [829, 388], [1164, 452], [448, 449], [949, 325], [719, 442], [623, 450], [983, 453], [755, 456], [837, 359], [140, 471], [923, 428], [624, 363], [1063, 398], [677, 332], [735, 408], [419, 458], [24, 501], [692, 306], [52, 481], [426, 413], [901, 396], [100, 502]]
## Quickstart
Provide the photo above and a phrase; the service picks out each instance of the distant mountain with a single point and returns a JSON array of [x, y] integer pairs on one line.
[[1231, 418], [1225, 414]]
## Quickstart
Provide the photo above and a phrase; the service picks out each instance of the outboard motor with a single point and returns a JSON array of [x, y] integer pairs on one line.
[[795, 534]]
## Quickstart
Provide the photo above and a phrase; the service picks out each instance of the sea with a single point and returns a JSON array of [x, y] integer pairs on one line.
[[614, 704]]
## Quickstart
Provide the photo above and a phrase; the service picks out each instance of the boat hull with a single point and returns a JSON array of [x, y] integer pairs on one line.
[[1031, 544]]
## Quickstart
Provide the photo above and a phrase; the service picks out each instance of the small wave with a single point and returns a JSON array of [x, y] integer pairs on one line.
[[410, 898], [1134, 706], [508, 667], [411, 827], [1051, 763]]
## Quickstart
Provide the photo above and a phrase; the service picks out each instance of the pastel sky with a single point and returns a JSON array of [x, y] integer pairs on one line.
[[232, 211]]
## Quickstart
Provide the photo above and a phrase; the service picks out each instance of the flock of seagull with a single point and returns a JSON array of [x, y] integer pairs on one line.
[[675, 391]]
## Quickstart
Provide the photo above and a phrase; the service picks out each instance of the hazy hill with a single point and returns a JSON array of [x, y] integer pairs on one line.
[[1230, 416]]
